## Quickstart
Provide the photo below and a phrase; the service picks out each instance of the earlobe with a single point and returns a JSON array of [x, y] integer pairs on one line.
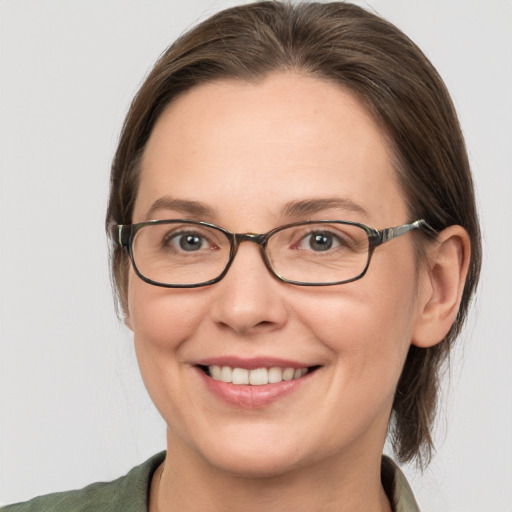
[[441, 286]]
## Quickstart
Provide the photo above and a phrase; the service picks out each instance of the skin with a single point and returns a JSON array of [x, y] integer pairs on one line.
[[245, 151]]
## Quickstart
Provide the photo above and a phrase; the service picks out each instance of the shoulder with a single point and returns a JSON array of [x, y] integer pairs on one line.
[[127, 494]]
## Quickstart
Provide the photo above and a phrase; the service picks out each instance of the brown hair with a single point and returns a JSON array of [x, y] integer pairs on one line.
[[369, 56]]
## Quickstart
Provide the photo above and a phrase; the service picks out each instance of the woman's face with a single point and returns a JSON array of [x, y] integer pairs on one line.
[[249, 158]]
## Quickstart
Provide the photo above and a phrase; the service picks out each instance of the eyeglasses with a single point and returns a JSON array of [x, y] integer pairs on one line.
[[188, 254]]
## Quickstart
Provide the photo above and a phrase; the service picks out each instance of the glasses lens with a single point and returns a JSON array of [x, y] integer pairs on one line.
[[179, 253], [319, 252]]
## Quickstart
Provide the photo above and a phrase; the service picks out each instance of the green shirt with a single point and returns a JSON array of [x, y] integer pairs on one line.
[[130, 493]]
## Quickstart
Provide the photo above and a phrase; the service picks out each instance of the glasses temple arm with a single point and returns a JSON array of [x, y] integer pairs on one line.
[[390, 233], [119, 234]]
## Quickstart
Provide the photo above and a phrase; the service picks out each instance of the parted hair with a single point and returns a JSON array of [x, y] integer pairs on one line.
[[368, 56]]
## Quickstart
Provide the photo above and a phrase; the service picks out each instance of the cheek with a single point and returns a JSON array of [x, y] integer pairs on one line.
[[162, 321], [360, 325], [162, 318], [368, 324]]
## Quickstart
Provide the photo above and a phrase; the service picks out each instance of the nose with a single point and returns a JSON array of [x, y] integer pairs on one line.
[[249, 299]]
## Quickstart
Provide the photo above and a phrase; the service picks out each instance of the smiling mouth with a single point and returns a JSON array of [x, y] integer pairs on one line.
[[257, 376]]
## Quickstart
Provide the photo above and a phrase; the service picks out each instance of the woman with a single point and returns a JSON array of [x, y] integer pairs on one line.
[[322, 134]]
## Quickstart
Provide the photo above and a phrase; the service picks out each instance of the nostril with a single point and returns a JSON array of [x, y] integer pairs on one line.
[[264, 323]]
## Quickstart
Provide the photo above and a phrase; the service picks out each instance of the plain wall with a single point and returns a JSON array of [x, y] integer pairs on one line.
[[73, 407]]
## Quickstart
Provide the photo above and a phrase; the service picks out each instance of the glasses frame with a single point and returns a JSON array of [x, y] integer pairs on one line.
[[124, 234]]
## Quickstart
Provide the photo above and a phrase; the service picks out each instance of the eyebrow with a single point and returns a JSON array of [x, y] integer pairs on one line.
[[192, 208], [300, 208], [310, 206]]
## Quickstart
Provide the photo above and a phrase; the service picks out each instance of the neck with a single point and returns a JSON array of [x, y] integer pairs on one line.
[[188, 483]]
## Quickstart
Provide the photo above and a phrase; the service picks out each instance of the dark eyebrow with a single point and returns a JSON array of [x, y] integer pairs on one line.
[[191, 208], [300, 208], [306, 207]]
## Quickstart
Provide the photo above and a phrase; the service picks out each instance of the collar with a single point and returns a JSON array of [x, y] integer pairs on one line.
[[397, 488]]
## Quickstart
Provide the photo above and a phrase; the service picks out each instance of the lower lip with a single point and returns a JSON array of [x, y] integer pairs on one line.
[[251, 397]]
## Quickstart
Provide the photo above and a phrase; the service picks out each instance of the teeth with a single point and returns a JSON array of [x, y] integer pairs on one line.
[[239, 376], [216, 372], [288, 373], [226, 374], [275, 375], [256, 377]]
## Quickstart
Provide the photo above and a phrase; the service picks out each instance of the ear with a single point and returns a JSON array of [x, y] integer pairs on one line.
[[442, 283]]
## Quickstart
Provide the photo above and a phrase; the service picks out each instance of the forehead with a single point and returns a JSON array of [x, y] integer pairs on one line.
[[247, 149]]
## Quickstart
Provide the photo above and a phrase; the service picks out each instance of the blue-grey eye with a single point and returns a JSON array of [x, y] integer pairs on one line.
[[190, 241], [184, 242], [320, 241]]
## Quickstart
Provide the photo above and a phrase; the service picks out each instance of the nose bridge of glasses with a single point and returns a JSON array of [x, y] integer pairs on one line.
[[256, 238], [250, 237]]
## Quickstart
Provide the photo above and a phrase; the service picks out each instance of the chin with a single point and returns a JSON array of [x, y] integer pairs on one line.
[[256, 456], [257, 466]]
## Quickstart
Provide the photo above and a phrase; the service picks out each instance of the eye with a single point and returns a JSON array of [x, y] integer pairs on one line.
[[186, 241], [325, 242], [319, 241]]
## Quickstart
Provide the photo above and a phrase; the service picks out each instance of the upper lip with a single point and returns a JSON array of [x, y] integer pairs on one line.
[[252, 363]]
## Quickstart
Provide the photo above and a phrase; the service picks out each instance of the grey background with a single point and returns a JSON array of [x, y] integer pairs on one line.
[[72, 405]]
